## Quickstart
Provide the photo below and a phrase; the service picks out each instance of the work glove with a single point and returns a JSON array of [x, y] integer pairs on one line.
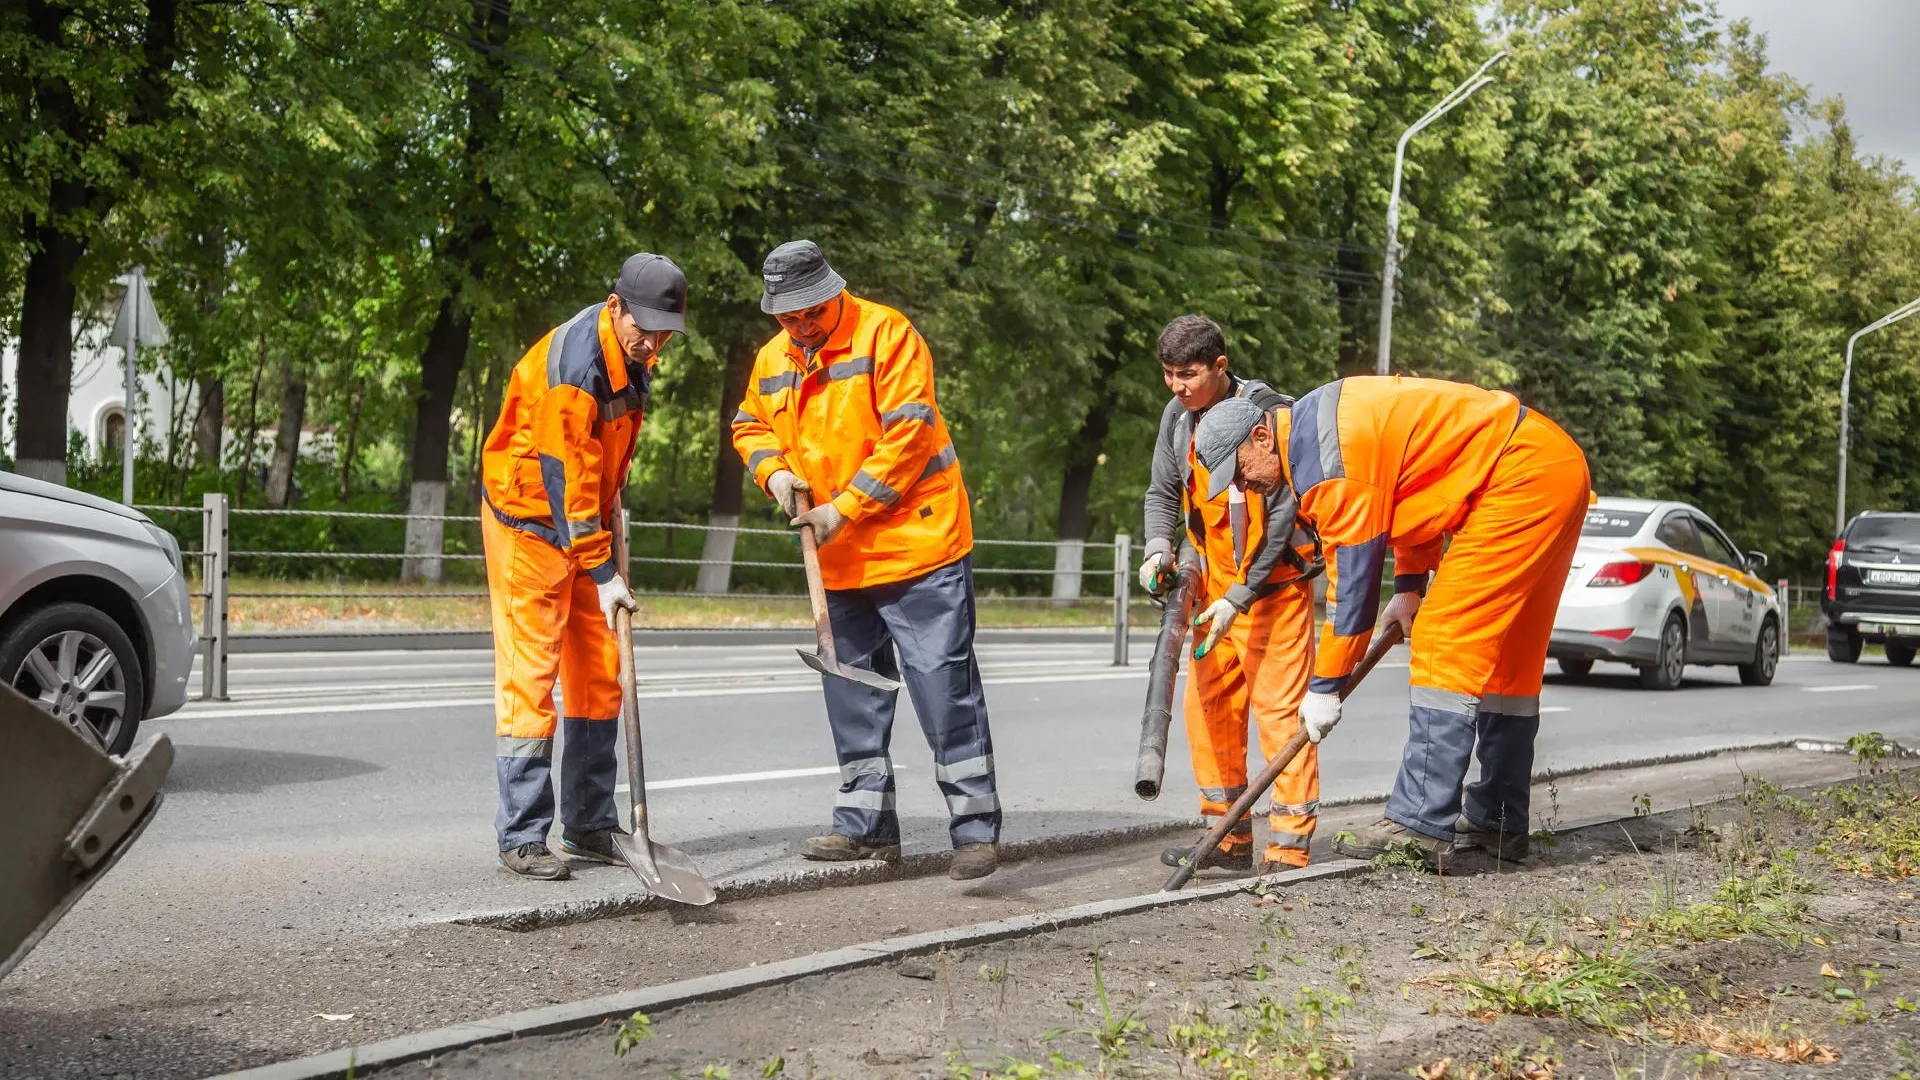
[[826, 520], [1217, 618], [1156, 573], [781, 486], [1400, 612], [1318, 714], [614, 595]]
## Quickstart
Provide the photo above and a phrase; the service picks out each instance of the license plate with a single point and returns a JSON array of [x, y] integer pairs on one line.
[[1893, 577]]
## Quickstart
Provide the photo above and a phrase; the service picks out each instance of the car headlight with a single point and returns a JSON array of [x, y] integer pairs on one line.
[[167, 543]]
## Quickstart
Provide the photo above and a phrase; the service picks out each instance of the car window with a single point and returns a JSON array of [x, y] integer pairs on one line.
[[1718, 548], [1677, 533], [1889, 532], [1604, 522]]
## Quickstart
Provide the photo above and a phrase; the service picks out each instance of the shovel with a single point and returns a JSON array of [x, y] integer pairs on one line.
[[1238, 811], [664, 871], [826, 661]]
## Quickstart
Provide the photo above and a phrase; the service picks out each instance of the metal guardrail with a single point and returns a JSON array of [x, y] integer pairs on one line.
[[217, 557]]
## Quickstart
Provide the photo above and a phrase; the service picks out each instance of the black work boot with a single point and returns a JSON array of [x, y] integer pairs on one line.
[[1506, 846], [533, 860], [1217, 859], [834, 847], [596, 845], [974, 861]]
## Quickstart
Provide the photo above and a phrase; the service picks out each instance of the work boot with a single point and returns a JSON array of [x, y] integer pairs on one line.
[[533, 860], [596, 845], [1275, 866], [1508, 847], [1218, 859], [1385, 837], [834, 847], [974, 861]]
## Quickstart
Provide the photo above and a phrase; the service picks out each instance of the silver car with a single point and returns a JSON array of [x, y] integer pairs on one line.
[[94, 618]]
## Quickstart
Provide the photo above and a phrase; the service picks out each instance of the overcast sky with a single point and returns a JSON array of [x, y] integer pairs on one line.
[[1862, 50]]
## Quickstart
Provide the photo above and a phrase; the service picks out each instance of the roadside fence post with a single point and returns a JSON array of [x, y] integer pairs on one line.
[[1122, 582], [1785, 590], [215, 564]]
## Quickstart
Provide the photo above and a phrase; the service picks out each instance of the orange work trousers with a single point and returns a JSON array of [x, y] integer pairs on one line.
[[1480, 640], [547, 626], [1261, 666]]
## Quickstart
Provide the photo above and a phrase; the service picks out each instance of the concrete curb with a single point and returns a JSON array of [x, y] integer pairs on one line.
[[573, 1016]]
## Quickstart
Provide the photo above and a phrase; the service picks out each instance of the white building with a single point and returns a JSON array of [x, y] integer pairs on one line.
[[97, 405]]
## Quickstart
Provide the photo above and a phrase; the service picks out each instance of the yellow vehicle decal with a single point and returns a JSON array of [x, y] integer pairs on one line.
[[1695, 564]]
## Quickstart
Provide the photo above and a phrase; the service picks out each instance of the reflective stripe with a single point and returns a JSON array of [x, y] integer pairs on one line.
[[578, 529], [1510, 705], [912, 410], [1292, 841], [866, 766], [1331, 466], [874, 489], [773, 384], [507, 746], [1222, 794], [968, 805], [742, 417], [865, 800], [758, 456], [969, 769], [1237, 523], [1304, 809], [557, 344], [846, 369], [1453, 701], [939, 462], [1244, 828]]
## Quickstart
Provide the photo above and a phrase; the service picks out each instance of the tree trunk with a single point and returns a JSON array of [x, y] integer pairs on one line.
[[45, 375], [209, 427], [1082, 459], [353, 446], [252, 433], [729, 474], [286, 443], [440, 365]]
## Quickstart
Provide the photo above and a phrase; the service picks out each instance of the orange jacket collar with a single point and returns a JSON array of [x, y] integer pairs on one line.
[[611, 354], [841, 336]]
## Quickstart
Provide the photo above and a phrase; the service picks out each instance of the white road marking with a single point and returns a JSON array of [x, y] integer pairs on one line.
[[743, 778], [1842, 688], [1545, 709]]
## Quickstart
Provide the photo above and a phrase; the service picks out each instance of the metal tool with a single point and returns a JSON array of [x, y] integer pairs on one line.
[[664, 871], [1386, 639], [826, 661], [1163, 672]]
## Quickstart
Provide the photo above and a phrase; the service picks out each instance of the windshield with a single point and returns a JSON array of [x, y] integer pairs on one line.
[[1604, 522], [1888, 532]]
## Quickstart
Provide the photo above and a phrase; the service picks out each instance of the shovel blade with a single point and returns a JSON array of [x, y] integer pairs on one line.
[[852, 674], [664, 871]]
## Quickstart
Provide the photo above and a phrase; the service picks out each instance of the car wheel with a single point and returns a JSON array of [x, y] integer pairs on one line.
[[1766, 656], [1575, 669], [1843, 647], [1899, 654], [1671, 663], [78, 665]]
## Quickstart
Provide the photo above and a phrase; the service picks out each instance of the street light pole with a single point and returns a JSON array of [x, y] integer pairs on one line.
[[1911, 307], [1454, 97]]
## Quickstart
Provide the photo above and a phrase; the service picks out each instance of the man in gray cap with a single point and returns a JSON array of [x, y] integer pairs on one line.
[[552, 471], [840, 408]]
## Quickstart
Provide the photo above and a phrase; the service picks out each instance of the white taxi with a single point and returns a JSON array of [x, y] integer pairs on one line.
[[1659, 586]]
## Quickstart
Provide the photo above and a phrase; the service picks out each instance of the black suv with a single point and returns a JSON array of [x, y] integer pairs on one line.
[[1873, 588]]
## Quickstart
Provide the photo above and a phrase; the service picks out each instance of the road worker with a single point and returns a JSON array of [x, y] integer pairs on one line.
[[1255, 636], [553, 468], [840, 407], [1379, 463]]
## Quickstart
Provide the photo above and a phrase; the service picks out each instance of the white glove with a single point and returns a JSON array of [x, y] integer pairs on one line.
[[782, 485], [1152, 571], [1318, 714], [1218, 617], [826, 520], [1400, 612], [614, 595]]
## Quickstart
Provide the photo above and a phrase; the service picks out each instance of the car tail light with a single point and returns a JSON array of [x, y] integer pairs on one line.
[[1625, 572], [1617, 635], [1833, 567]]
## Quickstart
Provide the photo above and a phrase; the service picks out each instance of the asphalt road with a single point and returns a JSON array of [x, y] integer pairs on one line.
[[351, 792]]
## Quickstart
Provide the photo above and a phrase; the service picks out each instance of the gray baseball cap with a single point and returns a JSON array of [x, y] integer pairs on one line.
[[1216, 441], [797, 277], [654, 290]]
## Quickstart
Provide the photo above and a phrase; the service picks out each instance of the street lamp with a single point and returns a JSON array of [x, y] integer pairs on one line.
[[1454, 97], [1911, 307]]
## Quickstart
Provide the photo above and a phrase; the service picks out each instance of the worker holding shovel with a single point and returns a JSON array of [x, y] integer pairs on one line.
[[840, 408], [1255, 624], [552, 469], [1412, 464]]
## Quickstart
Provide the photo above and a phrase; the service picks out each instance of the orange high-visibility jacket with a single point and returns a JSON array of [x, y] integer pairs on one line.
[[1387, 461], [555, 462], [857, 421]]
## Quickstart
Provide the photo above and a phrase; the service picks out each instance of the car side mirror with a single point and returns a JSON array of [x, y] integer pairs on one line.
[[1756, 560]]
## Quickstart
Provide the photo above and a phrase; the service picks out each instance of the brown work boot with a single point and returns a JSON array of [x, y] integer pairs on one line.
[[1217, 859], [1386, 837], [1278, 866], [834, 847], [1508, 847], [596, 845], [974, 861], [533, 860]]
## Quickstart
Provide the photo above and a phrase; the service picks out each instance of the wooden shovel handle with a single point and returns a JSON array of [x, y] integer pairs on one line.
[[816, 592]]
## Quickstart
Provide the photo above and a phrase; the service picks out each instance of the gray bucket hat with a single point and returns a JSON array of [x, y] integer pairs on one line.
[[797, 277], [1217, 439]]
